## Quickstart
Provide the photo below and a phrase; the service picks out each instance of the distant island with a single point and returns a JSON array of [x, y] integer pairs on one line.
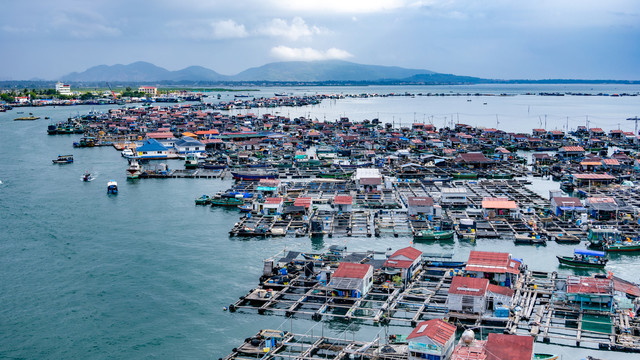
[[291, 73]]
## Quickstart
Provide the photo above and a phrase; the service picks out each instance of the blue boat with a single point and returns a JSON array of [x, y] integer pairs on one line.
[[253, 176], [112, 187]]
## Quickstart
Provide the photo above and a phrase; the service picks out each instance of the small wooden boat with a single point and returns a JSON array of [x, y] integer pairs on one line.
[[531, 239], [26, 118], [203, 200], [222, 200], [430, 235], [622, 246], [567, 239], [540, 356], [585, 259], [63, 159], [245, 208]]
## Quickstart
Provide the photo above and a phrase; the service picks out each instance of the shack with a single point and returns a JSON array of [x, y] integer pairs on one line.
[[343, 203], [467, 294], [590, 292], [497, 267], [453, 197], [351, 280], [423, 205], [404, 263], [498, 207], [565, 206], [432, 339]]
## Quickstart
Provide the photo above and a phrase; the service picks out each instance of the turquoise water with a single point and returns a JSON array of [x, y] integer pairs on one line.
[[146, 274]]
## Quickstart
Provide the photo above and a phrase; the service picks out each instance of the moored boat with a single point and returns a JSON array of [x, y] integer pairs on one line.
[[134, 170], [63, 159], [530, 238], [429, 235], [191, 161], [585, 259], [253, 175], [541, 356], [622, 246], [224, 200], [601, 235], [203, 200]]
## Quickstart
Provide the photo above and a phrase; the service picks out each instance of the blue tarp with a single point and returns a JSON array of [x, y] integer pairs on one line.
[[588, 252]]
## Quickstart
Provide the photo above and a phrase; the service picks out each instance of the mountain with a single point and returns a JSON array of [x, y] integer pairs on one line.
[[327, 70], [142, 72]]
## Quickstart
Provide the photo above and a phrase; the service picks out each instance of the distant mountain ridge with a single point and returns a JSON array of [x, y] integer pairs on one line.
[[304, 71], [142, 71], [291, 72]]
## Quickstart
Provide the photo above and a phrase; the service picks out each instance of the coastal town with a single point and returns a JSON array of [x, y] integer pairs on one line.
[[303, 177]]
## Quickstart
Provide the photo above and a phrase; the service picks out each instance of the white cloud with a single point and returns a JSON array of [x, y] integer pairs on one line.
[[297, 29], [308, 54], [341, 6], [227, 29], [207, 30]]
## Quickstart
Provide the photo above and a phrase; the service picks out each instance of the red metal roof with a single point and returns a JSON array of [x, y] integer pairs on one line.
[[588, 285], [626, 287], [302, 201], [475, 351], [572, 149], [512, 347], [420, 201], [371, 181], [468, 286], [273, 200], [492, 262], [498, 203], [502, 290], [409, 252], [593, 176], [343, 200], [437, 330], [351, 270]]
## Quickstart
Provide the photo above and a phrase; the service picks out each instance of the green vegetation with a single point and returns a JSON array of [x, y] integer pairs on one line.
[[129, 92]]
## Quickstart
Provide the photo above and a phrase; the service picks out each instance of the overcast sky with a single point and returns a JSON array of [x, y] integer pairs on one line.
[[533, 39]]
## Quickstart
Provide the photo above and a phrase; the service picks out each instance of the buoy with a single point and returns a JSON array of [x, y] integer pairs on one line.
[[224, 308]]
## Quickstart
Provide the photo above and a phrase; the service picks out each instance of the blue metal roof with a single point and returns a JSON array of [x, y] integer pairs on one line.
[[151, 145]]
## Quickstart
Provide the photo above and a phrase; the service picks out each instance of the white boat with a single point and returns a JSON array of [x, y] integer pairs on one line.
[[127, 153], [134, 170], [112, 187]]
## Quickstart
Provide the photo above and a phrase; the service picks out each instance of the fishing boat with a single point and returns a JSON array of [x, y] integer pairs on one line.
[[191, 161], [335, 174], [466, 230], [622, 245], [203, 200], [227, 200], [63, 159], [531, 238], [127, 153], [430, 235], [112, 187], [253, 175], [567, 239], [134, 170], [541, 356], [601, 235], [26, 118], [567, 186], [585, 259], [245, 208]]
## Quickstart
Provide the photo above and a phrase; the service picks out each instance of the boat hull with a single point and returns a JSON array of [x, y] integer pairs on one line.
[[566, 260], [433, 235]]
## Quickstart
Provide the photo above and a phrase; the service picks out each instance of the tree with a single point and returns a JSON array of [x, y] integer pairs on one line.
[[87, 96]]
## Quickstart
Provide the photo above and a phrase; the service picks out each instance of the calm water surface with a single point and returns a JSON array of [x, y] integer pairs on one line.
[[145, 274]]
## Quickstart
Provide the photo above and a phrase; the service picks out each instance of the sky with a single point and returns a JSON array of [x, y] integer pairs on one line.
[[500, 39]]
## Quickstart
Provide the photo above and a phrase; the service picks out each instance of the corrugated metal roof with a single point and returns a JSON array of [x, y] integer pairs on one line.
[[352, 270], [436, 329]]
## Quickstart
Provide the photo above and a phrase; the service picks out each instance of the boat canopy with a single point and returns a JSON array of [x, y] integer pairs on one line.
[[588, 252]]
